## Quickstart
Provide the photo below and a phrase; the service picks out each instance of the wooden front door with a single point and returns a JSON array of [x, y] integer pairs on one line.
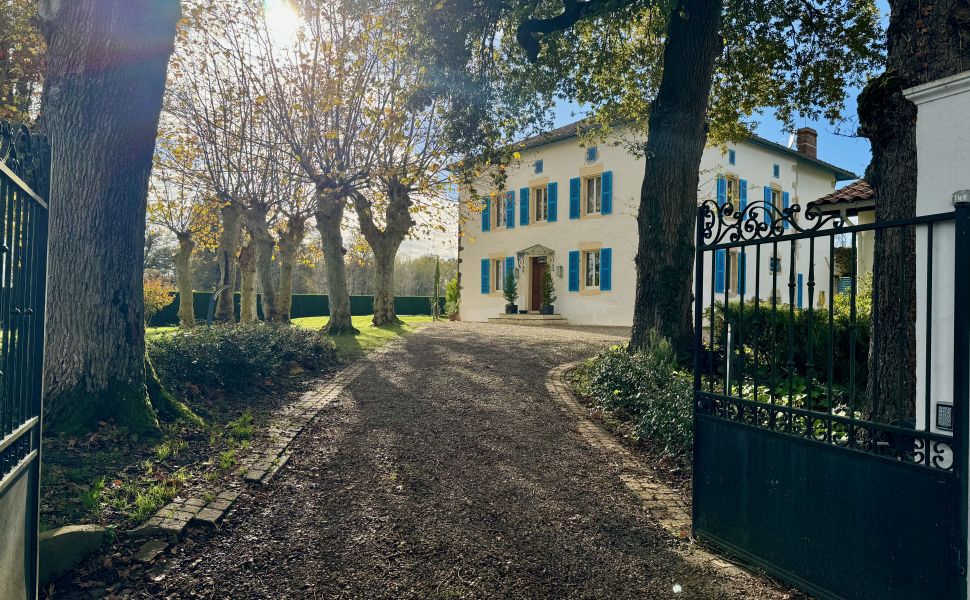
[[539, 267]]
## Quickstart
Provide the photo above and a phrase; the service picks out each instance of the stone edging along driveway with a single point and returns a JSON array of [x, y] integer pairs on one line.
[[662, 502]]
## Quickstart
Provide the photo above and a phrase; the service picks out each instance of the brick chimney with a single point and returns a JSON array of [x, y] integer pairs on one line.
[[806, 140]]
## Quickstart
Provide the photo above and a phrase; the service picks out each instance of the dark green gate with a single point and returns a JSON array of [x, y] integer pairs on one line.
[[24, 168], [793, 473]]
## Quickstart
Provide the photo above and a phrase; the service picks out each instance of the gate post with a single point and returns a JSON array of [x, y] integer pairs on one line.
[[961, 361]]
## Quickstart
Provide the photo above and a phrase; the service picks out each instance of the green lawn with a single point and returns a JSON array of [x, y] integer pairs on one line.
[[349, 347]]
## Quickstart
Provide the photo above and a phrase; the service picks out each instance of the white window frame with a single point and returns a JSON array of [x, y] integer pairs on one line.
[[541, 196], [593, 184], [500, 213], [592, 277]]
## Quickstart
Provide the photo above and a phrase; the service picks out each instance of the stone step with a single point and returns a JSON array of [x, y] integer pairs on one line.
[[533, 320]]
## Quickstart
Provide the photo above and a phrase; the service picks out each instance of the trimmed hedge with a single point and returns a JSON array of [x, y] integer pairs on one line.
[[235, 357], [304, 305]]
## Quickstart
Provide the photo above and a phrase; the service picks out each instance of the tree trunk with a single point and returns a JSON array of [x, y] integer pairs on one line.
[[329, 214], [290, 242], [247, 284], [226, 255], [106, 67], [668, 197], [923, 44], [264, 243], [384, 256], [385, 244], [183, 278]]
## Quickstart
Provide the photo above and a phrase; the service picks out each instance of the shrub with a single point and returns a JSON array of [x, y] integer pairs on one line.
[[765, 336], [236, 356], [511, 289], [157, 296], [647, 388], [548, 287]]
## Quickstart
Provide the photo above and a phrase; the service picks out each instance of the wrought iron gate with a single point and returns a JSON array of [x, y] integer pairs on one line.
[[793, 472], [24, 168]]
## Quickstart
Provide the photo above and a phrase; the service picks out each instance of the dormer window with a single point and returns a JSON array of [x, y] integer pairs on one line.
[[592, 154], [538, 167]]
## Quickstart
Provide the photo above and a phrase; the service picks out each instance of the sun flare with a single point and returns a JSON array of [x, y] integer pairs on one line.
[[282, 20]]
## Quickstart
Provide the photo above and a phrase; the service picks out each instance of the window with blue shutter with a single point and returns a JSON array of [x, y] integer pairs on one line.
[[509, 268], [800, 279], [606, 269], [607, 205], [741, 273], [574, 270], [538, 167], [769, 214], [592, 154], [776, 171], [485, 273], [553, 190], [510, 209], [486, 213], [574, 186], [784, 204], [742, 195], [719, 257], [524, 206], [721, 190], [731, 157]]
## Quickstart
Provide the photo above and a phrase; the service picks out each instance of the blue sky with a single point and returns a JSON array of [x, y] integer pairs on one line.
[[834, 144]]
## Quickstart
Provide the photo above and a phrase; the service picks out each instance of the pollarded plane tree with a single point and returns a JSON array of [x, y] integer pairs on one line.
[[179, 203], [323, 85], [214, 95], [409, 176], [690, 73]]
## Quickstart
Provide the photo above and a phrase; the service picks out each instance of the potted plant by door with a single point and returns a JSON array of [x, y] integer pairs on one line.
[[511, 292], [548, 293]]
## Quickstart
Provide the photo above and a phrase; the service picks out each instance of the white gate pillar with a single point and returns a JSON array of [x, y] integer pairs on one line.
[[943, 178]]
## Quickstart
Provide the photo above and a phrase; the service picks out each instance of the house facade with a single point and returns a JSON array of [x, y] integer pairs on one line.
[[572, 210]]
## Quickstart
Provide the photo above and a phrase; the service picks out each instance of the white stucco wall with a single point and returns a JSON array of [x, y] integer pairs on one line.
[[564, 160], [943, 144]]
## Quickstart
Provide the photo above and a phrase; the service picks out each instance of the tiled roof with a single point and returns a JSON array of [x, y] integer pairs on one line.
[[854, 193]]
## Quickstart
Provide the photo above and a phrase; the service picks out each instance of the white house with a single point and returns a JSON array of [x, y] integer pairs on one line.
[[573, 209]]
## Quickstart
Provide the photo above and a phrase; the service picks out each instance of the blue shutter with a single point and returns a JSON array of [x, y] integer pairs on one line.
[[769, 216], [721, 190], [485, 272], [606, 269], [509, 209], [574, 186], [784, 205], [509, 268], [553, 191], [742, 194], [524, 206], [607, 206], [574, 270], [719, 258], [486, 213], [741, 273], [800, 280]]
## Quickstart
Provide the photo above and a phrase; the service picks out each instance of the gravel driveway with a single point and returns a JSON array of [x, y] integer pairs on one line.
[[446, 471]]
